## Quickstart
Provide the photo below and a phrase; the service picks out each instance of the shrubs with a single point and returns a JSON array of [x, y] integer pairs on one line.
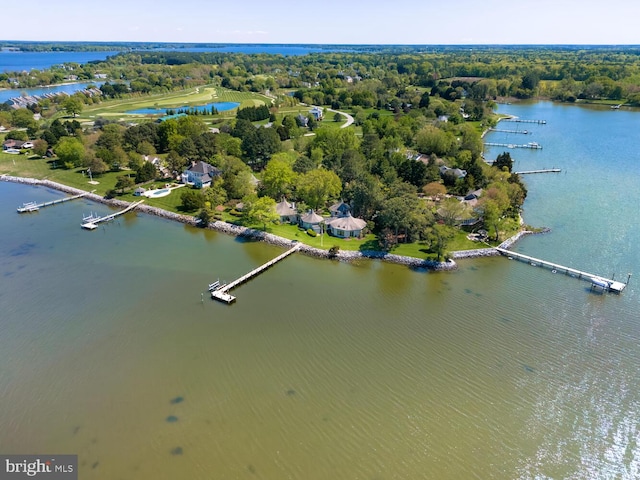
[[311, 232], [333, 251]]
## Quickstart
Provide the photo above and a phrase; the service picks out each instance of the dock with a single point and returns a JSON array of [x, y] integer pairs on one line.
[[34, 207], [91, 222], [531, 145], [221, 291], [522, 132], [545, 170], [521, 120], [597, 281]]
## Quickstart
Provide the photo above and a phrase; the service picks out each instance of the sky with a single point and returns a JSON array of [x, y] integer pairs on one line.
[[420, 22]]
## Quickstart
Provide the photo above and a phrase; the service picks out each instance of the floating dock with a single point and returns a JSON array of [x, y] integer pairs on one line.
[[597, 281], [34, 207], [91, 222], [220, 291], [531, 145]]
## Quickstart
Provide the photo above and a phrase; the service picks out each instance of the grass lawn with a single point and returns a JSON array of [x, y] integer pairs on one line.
[[191, 97]]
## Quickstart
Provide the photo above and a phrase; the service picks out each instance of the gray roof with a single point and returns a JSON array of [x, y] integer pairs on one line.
[[285, 208], [312, 218], [340, 208], [347, 223], [202, 167]]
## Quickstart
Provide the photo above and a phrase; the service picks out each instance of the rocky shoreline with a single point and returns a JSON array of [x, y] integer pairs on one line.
[[258, 235]]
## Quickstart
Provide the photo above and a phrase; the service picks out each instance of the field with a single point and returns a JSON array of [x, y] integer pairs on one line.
[[116, 109]]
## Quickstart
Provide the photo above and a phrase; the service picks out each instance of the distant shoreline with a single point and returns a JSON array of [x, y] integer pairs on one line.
[[239, 231]]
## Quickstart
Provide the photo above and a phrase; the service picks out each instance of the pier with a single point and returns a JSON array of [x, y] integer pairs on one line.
[[220, 291], [34, 207], [91, 222], [523, 132], [597, 281], [521, 120], [531, 145], [545, 170]]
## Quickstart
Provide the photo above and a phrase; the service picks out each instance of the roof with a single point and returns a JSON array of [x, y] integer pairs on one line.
[[312, 217], [205, 169], [285, 208], [340, 208], [347, 223]]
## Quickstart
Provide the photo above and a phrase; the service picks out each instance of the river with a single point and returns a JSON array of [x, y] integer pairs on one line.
[[326, 370]]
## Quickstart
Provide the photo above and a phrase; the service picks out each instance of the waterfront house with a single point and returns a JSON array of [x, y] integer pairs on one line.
[[342, 224], [200, 174], [346, 226], [311, 220], [287, 211]]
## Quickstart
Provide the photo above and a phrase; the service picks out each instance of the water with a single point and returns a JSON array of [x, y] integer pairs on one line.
[[326, 370], [220, 107], [69, 88], [18, 61]]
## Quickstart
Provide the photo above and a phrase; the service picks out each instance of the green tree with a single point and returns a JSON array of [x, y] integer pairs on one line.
[[439, 236], [318, 186], [261, 210], [192, 199], [124, 182], [40, 147], [236, 178], [146, 173], [278, 178], [73, 105], [71, 151]]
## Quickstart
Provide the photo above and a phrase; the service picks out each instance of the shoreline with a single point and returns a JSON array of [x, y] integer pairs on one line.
[[259, 235]]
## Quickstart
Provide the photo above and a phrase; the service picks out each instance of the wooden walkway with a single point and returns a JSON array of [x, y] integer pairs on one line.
[[521, 120], [531, 145], [523, 132], [547, 170], [91, 222], [34, 207], [220, 292], [596, 280]]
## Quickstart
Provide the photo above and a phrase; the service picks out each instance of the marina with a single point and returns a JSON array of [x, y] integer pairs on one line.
[[91, 221], [597, 281], [34, 207], [220, 291]]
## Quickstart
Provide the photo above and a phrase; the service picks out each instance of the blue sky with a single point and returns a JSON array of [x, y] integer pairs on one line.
[[327, 21]]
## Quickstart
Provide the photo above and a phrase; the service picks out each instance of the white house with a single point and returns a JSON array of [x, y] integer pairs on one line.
[[200, 174], [342, 224]]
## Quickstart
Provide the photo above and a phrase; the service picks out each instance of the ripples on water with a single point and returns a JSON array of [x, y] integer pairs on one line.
[[321, 370]]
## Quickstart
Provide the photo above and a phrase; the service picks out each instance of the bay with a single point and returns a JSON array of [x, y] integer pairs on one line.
[[322, 369], [15, 61]]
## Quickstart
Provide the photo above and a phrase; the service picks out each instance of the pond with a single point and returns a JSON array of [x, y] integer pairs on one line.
[[219, 106]]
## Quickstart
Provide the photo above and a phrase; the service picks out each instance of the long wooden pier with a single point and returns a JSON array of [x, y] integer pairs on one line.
[[544, 170], [220, 292], [34, 207], [596, 280], [91, 222], [531, 145], [523, 132], [521, 120]]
